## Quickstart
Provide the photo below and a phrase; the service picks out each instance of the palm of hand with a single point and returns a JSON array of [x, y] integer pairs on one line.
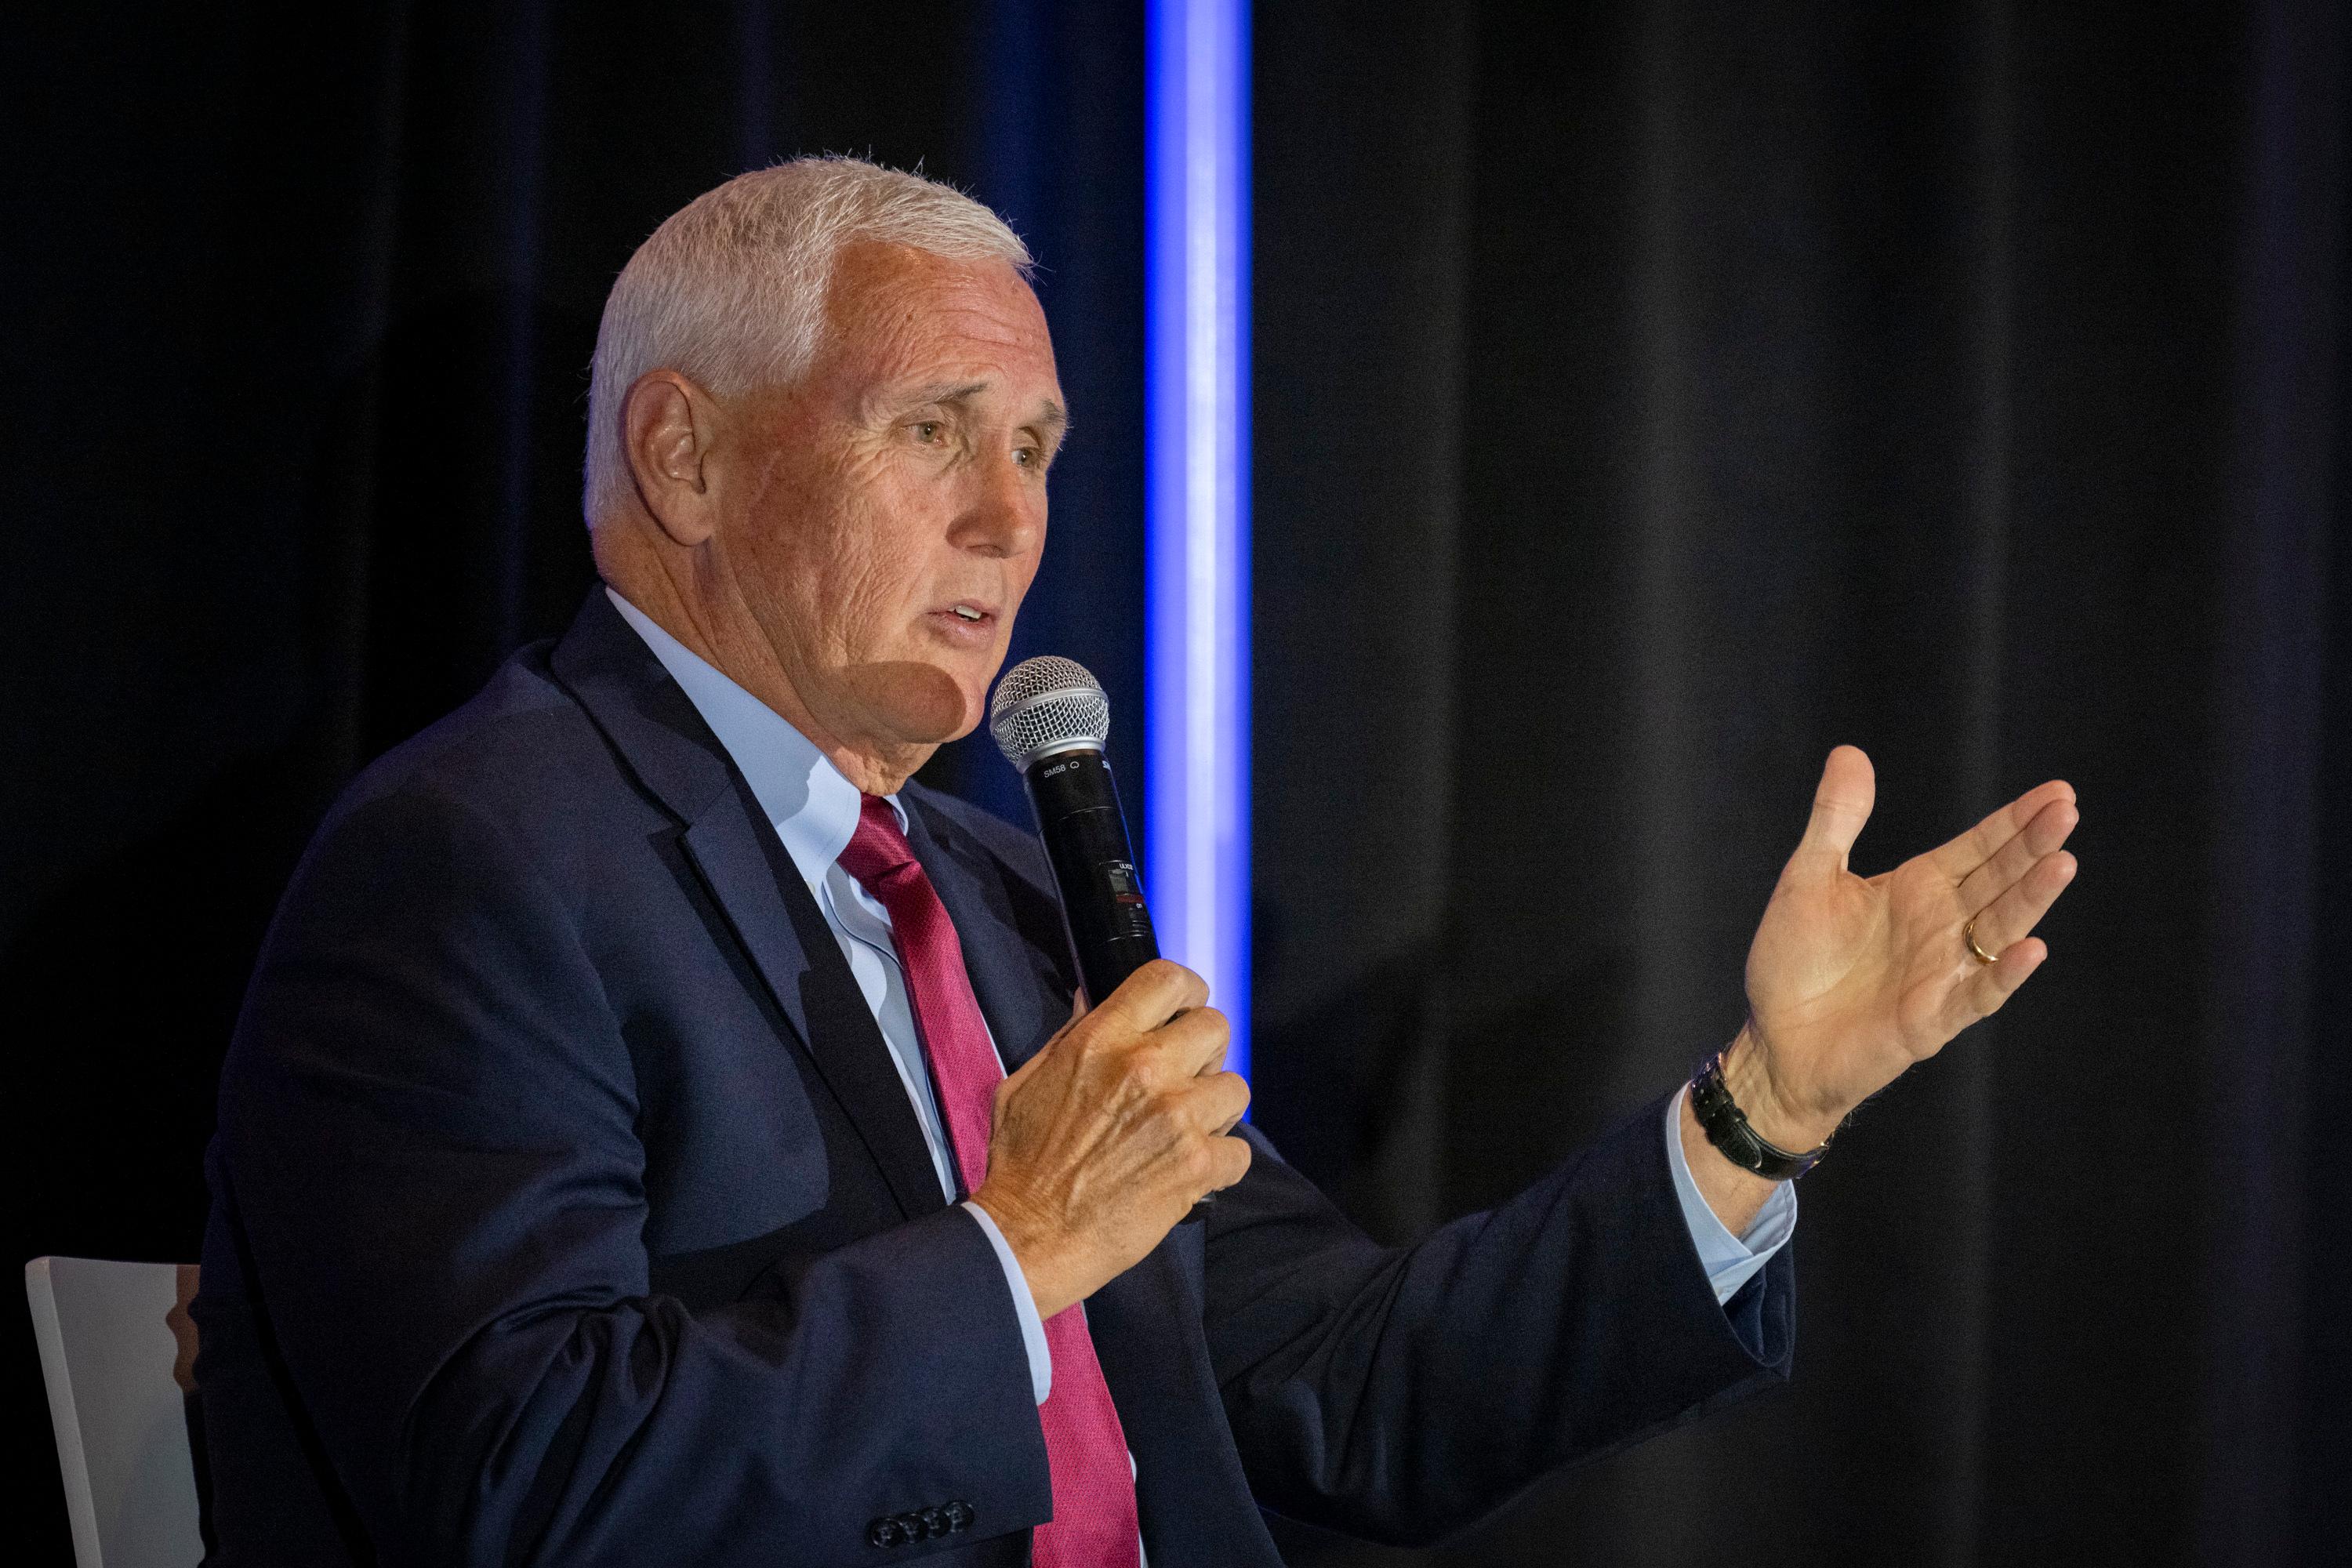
[[1853, 979]]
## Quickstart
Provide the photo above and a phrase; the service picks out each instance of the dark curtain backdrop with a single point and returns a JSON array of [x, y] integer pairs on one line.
[[1648, 397]]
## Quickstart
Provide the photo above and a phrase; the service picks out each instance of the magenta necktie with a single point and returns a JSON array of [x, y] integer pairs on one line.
[[1094, 1523]]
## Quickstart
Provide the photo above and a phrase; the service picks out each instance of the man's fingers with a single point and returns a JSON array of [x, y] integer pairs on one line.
[[1195, 1041], [1980, 843], [2039, 838], [2016, 912], [1214, 1102], [1154, 993], [1849, 787], [1229, 1159], [1982, 992]]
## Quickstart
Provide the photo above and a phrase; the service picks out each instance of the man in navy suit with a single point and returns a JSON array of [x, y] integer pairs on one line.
[[617, 1161]]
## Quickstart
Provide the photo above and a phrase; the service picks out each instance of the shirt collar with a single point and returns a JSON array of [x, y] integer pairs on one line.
[[812, 806]]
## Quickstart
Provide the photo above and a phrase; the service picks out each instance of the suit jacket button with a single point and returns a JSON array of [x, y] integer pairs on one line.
[[912, 1523], [959, 1515], [936, 1522], [885, 1533]]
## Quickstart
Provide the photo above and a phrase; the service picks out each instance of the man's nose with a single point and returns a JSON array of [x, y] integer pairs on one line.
[[1006, 515]]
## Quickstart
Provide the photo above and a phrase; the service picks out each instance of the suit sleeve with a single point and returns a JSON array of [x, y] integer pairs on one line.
[[1403, 1393], [429, 1123]]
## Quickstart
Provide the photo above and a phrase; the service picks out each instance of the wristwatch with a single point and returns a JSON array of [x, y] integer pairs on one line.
[[1728, 1129]]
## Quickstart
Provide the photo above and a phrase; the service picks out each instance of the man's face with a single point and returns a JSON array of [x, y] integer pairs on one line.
[[888, 511]]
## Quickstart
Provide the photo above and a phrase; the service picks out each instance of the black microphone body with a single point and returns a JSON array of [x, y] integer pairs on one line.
[[1076, 802], [1051, 720]]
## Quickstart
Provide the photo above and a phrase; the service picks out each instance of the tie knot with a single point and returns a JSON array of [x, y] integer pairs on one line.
[[877, 847]]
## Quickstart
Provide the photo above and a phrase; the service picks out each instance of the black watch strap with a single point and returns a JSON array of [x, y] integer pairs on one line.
[[1728, 1129]]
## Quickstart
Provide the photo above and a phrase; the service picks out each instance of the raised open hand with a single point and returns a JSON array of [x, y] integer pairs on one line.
[[1853, 979]]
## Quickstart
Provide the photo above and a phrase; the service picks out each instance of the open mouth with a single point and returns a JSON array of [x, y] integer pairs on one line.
[[965, 619]]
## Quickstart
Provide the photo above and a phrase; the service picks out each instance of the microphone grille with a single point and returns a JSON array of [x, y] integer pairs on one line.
[[1045, 703]]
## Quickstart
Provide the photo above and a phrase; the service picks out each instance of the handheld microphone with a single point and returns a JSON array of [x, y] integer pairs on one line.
[[1050, 719]]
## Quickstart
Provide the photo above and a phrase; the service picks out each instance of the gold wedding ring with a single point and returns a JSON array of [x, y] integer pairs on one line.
[[1968, 935]]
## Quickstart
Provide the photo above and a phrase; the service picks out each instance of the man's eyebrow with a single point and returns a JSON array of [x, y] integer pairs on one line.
[[1050, 415]]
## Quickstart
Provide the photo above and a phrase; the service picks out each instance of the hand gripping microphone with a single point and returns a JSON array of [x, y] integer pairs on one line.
[[1050, 719]]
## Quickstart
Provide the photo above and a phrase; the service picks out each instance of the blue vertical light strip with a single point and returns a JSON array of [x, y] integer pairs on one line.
[[1196, 569]]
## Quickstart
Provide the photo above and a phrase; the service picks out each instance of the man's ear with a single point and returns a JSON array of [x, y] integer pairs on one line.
[[667, 426]]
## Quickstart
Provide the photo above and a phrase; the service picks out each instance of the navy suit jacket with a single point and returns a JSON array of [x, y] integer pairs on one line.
[[567, 1210]]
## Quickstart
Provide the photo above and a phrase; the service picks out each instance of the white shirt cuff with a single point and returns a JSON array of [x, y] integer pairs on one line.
[[1032, 1327], [1731, 1261]]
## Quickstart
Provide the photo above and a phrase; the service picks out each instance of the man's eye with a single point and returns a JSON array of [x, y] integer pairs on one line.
[[928, 431]]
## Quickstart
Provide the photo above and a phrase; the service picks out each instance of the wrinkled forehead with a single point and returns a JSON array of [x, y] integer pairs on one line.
[[892, 311]]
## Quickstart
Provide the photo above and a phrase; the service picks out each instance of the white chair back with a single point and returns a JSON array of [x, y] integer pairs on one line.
[[118, 1351]]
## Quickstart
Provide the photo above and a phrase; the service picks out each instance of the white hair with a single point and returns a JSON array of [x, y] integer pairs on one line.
[[729, 291]]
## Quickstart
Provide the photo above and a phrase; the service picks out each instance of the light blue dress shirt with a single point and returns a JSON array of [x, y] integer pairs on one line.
[[813, 810], [1731, 1261]]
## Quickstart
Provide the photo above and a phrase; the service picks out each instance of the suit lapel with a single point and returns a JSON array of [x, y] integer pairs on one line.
[[752, 879], [654, 726]]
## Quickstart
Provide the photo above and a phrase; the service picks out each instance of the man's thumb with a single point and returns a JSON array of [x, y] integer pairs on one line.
[[1841, 804]]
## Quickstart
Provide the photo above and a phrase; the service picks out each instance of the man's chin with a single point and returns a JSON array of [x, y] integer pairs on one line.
[[914, 702]]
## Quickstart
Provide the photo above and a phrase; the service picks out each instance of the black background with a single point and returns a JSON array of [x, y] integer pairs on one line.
[[1647, 397]]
